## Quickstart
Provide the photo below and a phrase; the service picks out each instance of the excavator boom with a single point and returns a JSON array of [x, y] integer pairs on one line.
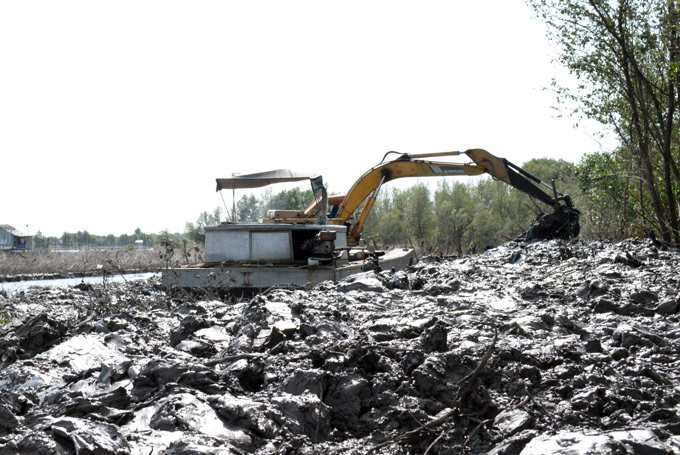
[[372, 180]]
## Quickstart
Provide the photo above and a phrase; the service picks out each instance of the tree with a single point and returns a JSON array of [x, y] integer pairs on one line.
[[248, 208], [485, 228], [626, 56], [453, 207], [67, 239], [196, 231], [293, 199], [385, 223], [614, 202], [39, 240], [418, 213], [391, 229], [124, 240], [83, 238]]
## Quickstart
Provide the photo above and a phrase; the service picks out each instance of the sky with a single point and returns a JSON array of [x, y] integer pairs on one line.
[[120, 115]]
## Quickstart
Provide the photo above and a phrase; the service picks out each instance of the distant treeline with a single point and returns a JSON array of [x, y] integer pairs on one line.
[[84, 239]]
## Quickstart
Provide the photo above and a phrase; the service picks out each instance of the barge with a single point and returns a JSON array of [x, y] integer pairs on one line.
[[256, 256]]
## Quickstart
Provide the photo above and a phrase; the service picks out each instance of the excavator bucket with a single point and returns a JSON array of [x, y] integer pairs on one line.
[[562, 224]]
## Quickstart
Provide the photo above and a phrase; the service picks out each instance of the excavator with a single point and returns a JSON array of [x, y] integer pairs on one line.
[[562, 223], [295, 247]]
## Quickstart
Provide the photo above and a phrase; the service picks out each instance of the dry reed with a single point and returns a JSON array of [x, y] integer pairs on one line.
[[89, 261]]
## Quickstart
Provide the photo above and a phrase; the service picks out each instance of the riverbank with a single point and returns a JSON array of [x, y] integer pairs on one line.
[[43, 265]]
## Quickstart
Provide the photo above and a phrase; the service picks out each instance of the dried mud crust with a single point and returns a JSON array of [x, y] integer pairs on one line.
[[529, 348]]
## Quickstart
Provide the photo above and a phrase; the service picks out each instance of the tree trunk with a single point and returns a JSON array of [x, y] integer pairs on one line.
[[640, 122]]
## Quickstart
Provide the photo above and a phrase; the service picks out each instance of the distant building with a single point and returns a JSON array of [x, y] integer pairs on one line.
[[11, 239]]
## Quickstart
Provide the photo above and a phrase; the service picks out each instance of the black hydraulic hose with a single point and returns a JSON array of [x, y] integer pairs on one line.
[[526, 186], [522, 171], [529, 175], [402, 155]]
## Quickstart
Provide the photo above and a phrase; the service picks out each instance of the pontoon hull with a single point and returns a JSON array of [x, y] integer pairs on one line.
[[240, 276]]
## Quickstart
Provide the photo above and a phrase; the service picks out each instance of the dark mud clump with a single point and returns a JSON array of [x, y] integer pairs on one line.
[[529, 348], [562, 224]]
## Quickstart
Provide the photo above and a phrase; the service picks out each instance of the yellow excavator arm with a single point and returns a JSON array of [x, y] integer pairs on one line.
[[367, 187]]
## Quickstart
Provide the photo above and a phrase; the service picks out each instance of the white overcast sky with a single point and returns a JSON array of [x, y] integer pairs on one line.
[[118, 115]]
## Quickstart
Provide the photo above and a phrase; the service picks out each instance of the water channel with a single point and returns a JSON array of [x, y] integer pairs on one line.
[[65, 282]]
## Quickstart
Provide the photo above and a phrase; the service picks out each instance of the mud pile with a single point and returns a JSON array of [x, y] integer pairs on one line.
[[531, 348]]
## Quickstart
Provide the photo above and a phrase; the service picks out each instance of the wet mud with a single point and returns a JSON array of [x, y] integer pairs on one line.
[[530, 348]]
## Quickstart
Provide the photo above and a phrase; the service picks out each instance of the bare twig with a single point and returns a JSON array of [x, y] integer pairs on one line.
[[467, 382], [436, 440], [475, 430]]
